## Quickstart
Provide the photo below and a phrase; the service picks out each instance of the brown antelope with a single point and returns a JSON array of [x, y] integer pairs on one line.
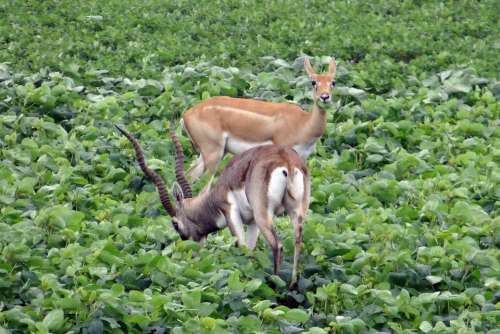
[[226, 124], [254, 187]]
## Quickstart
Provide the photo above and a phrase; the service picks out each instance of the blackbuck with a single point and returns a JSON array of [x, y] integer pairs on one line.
[[225, 124], [253, 187]]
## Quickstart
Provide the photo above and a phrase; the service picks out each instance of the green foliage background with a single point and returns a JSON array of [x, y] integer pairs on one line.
[[403, 232]]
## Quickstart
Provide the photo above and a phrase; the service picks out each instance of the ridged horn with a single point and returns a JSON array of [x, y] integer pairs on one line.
[[150, 174], [179, 165]]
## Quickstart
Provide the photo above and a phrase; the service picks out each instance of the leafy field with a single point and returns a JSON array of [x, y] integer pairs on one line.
[[403, 232]]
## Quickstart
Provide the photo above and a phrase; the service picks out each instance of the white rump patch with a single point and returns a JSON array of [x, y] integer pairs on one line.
[[296, 185], [276, 188]]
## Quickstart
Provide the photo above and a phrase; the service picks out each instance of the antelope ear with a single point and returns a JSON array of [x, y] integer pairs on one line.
[[178, 194], [308, 67], [332, 67]]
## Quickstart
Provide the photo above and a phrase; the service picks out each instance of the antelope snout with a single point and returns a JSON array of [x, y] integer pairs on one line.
[[325, 97]]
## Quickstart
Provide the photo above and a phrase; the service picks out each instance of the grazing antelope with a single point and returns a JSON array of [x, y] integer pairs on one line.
[[225, 124], [254, 187]]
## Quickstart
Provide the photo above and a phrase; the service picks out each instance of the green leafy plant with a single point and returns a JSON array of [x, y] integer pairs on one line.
[[403, 231]]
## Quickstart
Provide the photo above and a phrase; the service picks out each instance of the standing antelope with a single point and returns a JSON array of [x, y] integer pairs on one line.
[[225, 124], [253, 188]]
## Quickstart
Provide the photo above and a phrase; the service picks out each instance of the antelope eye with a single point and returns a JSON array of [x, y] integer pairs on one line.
[[334, 83], [314, 83]]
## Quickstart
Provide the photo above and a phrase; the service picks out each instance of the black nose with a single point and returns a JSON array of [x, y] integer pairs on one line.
[[324, 96]]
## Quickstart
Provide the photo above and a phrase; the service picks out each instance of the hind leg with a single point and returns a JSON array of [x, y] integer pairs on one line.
[[298, 224], [209, 159], [212, 160], [297, 208], [209, 142], [264, 221]]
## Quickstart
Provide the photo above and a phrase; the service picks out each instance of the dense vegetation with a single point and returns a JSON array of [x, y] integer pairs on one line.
[[403, 231]]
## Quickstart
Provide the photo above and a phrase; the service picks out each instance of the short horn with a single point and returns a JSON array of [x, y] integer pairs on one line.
[[179, 165], [150, 174]]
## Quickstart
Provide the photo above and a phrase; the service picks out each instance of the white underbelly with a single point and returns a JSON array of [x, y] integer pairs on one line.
[[240, 204], [237, 146], [304, 150]]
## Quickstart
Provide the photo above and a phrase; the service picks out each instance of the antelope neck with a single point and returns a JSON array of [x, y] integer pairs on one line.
[[204, 211], [317, 121]]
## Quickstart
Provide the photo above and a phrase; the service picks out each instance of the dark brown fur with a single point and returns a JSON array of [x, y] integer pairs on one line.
[[195, 218]]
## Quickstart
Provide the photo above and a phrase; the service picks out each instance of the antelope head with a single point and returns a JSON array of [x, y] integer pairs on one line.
[[322, 83], [181, 212], [191, 217]]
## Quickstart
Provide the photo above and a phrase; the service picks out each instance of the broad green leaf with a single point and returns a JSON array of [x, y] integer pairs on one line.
[[425, 327], [427, 297], [347, 288], [297, 315], [137, 296], [375, 146], [191, 299], [54, 319], [27, 185], [433, 279], [262, 305], [316, 330], [277, 281], [253, 285], [234, 283], [138, 319]]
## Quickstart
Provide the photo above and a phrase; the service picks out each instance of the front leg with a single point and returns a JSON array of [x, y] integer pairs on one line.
[[252, 234], [235, 224]]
